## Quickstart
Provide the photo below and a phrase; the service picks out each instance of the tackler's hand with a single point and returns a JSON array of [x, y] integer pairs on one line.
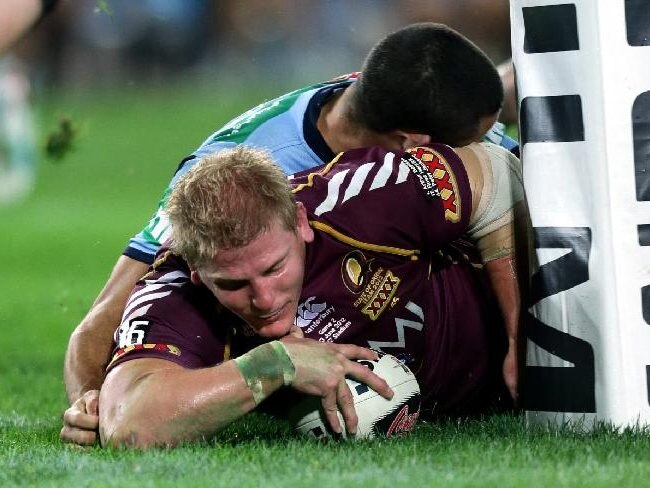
[[81, 420]]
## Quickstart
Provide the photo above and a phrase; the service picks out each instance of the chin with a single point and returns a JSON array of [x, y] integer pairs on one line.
[[274, 330]]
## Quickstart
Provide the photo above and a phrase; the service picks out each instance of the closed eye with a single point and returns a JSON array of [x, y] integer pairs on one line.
[[273, 270], [230, 285], [277, 267]]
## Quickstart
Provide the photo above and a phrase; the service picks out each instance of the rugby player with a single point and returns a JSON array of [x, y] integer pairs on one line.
[[366, 251], [422, 83]]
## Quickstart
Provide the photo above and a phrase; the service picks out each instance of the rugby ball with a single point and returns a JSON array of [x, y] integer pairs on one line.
[[377, 416]]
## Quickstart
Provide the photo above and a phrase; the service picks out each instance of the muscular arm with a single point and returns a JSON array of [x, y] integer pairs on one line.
[[500, 228], [508, 277], [90, 344], [148, 402], [153, 402]]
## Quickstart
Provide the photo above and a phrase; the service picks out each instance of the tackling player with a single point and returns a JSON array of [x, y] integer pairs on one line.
[[365, 251], [424, 82]]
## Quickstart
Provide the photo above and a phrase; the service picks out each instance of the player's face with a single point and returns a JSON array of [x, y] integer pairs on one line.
[[261, 282]]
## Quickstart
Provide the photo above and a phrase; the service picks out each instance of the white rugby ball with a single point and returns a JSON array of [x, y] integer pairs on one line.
[[377, 416]]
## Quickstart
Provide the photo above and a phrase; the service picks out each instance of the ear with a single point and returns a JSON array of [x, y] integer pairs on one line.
[[195, 278], [412, 139], [302, 223]]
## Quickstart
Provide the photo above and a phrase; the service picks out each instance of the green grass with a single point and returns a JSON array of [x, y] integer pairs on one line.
[[58, 248]]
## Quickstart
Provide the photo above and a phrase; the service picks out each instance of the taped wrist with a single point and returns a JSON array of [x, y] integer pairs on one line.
[[264, 366]]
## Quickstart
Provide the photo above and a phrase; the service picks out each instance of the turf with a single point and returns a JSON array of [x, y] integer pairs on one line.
[[58, 248]]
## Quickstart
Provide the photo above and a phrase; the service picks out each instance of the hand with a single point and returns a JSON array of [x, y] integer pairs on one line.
[[296, 331], [511, 373], [321, 369], [81, 420]]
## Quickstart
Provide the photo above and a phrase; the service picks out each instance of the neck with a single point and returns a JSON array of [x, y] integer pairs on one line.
[[336, 126]]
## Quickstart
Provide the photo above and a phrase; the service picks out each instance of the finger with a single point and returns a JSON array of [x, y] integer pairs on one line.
[[79, 437], [351, 351], [92, 402], [329, 407], [346, 407], [75, 418], [360, 373]]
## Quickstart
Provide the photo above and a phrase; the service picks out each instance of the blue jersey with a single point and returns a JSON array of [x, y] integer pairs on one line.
[[286, 127]]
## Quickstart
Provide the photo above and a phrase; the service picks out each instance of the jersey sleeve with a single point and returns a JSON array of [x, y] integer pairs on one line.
[[168, 317], [276, 125], [144, 245], [497, 135], [390, 201]]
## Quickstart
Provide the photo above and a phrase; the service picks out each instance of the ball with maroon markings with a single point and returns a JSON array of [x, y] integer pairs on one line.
[[378, 417]]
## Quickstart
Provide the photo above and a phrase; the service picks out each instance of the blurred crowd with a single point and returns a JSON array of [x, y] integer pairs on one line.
[[278, 44], [89, 42]]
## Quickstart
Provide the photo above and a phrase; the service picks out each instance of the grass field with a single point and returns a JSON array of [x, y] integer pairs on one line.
[[58, 248]]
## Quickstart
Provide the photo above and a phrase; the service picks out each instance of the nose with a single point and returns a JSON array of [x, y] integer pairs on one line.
[[262, 297]]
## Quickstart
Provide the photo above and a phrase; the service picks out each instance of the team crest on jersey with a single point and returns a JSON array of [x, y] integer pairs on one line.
[[355, 269], [444, 180], [378, 294]]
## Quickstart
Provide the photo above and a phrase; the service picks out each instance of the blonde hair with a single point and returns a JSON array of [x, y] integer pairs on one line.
[[225, 201]]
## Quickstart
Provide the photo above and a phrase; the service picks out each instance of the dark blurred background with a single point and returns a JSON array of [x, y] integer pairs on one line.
[[229, 54], [90, 43]]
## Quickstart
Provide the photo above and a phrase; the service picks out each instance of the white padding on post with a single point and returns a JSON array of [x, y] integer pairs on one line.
[[589, 344]]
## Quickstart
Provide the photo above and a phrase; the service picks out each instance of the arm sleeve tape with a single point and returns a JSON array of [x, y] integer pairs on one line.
[[503, 187]]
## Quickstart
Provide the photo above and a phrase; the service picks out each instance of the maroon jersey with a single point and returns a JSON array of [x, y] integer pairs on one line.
[[387, 270]]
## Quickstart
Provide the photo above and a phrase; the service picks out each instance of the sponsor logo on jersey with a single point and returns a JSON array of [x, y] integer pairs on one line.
[[308, 311], [355, 270], [378, 293], [444, 180], [318, 321], [165, 348]]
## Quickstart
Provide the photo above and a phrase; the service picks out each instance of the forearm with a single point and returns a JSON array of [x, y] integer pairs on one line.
[[499, 250], [89, 350], [91, 342], [505, 284], [172, 406], [158, 403]]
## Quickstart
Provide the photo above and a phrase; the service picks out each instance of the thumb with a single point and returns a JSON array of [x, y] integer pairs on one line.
[[296, 331], [92, 402]]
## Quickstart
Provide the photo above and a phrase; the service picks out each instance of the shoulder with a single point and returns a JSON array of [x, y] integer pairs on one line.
[[281, 113]]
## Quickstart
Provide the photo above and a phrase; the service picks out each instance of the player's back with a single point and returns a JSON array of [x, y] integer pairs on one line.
[[382, 272]]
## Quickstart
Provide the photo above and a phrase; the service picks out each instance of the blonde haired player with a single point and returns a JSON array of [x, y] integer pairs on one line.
[[208, 338]]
